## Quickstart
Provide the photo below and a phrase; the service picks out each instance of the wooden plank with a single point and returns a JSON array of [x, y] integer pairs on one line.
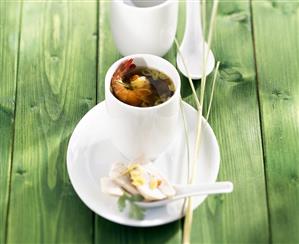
[[107, 52], [56, 86], [9, 35], [277, 47], [240, 217], [170, 233]]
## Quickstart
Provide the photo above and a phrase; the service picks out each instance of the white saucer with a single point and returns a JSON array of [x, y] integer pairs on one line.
[[90, 155]]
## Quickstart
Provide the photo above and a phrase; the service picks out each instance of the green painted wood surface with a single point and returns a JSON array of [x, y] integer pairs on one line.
[[56, 86], [276, 26], [9, 33], [65, 50]]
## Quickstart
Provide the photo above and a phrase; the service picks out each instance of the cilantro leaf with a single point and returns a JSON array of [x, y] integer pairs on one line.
[[136, 212], [121, 203]]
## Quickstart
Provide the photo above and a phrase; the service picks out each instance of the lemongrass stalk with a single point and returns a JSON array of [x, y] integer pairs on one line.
[[198, 105], [210, 35], [188, 74], [202, 89], [212, 24], [203, 84], [188, 222], [186, 130], [203, 81], [188, 201], [203, 17], [213, 88], [189, 212]]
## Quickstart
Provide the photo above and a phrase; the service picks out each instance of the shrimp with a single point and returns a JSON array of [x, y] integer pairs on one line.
[[134, 92]]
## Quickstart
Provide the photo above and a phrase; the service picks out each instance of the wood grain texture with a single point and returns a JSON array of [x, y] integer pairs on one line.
[[56, 86], [9, 35], [107, 52], [57, 83], [170, 233], [239, 217], [277, 46]]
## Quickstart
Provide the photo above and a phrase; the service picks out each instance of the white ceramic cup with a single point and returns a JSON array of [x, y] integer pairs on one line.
[[143, 132], [143, 26]]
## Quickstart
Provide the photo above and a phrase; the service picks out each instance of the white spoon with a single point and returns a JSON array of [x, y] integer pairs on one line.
[[183, 191], [192, 45]]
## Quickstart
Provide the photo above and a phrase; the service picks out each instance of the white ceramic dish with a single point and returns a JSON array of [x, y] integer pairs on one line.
[[90, 155], [147, 26]]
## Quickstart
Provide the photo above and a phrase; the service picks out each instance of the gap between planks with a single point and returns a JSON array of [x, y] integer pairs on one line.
[[14, 118], [260, 118]]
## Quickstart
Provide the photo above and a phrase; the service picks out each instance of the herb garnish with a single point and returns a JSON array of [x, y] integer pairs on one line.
[[135, 212]]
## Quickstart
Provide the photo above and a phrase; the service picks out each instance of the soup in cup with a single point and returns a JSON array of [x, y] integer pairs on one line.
[[142, 129]]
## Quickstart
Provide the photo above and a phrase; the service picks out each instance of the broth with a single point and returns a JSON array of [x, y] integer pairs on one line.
[[142, 87]]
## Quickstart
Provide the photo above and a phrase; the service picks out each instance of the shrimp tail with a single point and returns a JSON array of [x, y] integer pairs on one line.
[[126, 92], [123, 68]]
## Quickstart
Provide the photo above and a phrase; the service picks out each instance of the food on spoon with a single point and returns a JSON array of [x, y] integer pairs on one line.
[[116, 174], [143, 179], [141, 86], [162, 183]]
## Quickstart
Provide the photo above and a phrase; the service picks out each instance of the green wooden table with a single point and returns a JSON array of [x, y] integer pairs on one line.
[[53, 59]]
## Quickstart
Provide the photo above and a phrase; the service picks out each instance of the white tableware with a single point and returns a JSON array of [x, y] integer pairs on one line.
[[143, 132], [192, 48], [143, 26], [183, 191], [90, 155]]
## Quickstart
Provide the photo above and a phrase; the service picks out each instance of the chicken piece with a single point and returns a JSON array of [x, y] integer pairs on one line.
[[142, 179], [109, 186], [124, 182], [117, 173]]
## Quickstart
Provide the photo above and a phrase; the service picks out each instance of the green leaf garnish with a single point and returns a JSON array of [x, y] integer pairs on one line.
[[135, 212], [121, 203]]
